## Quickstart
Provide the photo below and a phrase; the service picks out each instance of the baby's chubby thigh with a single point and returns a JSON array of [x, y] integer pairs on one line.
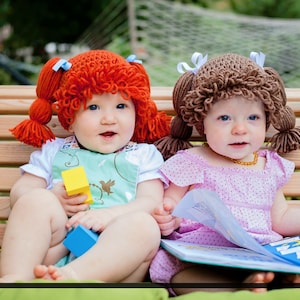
[[43, 214], [134, 228]]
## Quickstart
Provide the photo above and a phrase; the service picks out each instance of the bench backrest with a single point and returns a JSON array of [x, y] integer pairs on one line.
[[14, 105]]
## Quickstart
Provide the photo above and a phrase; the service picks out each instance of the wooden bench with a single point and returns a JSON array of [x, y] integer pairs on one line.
[[14, 104]]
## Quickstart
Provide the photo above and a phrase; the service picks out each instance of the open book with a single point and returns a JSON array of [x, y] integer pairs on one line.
[[207, 208]]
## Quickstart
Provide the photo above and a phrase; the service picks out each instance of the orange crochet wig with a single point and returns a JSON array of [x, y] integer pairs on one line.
[[63, 86]]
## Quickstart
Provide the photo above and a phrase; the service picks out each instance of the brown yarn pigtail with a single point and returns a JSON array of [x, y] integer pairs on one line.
[[288, 137], [178, 140], [180, 131], [34, 131]]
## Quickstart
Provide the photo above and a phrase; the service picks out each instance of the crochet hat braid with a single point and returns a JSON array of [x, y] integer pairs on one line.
[[221, 78], [64, 86]]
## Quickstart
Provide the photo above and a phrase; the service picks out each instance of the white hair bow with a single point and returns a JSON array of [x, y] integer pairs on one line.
[[259, 58], [197, 59]]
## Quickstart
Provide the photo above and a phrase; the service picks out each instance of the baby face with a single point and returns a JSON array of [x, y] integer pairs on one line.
[[106, 124]]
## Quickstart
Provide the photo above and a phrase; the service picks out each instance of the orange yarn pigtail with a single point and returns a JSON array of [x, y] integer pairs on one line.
[[152, 124], [34, 131], [157, 125]]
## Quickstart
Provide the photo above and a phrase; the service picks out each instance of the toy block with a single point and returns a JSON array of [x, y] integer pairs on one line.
[[76, 182], [79, 240]]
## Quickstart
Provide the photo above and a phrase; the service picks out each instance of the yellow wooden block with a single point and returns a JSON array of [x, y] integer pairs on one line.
[[76, 182]]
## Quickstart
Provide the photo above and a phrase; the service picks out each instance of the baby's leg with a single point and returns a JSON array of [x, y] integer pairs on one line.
[[290, 279], [122, 253], [214, 279], [35, 230], [259, 278]]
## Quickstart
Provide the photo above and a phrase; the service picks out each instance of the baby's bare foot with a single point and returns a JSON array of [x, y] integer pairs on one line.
[[54, 273], [44, 272], [260, 277]]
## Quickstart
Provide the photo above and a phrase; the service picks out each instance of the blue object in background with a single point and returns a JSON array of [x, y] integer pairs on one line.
[[80, 239]]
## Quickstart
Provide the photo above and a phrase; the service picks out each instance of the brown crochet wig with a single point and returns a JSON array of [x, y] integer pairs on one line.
[[221, 78], [63, 86]]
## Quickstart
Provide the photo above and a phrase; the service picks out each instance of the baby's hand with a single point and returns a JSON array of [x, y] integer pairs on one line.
[[71, 204], [96, 219], [163, 216]]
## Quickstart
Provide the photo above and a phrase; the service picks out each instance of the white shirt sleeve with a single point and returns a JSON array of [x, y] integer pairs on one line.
[[40, 162], [150, 159]]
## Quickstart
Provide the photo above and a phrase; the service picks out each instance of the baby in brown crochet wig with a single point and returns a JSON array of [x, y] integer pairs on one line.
[[221, 78], [231, 100]]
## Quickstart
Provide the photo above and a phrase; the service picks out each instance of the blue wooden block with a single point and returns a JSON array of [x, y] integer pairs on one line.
[[79, 240]]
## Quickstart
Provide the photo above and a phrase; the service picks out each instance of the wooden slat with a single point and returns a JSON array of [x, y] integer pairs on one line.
[[15, 106], [28, 92], [161, 92], [296, 107], [157, 92], [14, 153], [17, 91], [10, 155], [8, 178], [2, 229], [293, 94], [24, 95], [16, 100], [295, 157], [10, 121], [12, 174], [4, 207], [292, 188]]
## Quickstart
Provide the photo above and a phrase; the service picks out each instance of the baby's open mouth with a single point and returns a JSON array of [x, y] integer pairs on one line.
[[108, 133]]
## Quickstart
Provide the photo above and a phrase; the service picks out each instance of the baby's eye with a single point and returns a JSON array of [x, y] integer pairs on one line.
[[224, 118], [121, 105], [92, 107], [253, 117]]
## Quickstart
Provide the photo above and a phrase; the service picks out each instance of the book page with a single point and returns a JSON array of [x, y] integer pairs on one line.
[[205, 207]]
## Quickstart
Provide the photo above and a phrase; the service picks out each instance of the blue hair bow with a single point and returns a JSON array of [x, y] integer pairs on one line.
[[62, 63], [132, 58]]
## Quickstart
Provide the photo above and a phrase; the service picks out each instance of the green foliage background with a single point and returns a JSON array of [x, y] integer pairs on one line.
[[36, 23]]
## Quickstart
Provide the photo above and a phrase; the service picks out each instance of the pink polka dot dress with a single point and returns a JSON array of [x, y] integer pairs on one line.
[[248, 193]]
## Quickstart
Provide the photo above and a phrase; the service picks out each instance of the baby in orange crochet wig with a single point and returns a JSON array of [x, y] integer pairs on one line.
[[63, 86]]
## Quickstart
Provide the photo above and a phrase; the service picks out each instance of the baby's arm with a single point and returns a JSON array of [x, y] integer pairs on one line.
[[149, 195], [285, 217], [25, 183], [163, 214]]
